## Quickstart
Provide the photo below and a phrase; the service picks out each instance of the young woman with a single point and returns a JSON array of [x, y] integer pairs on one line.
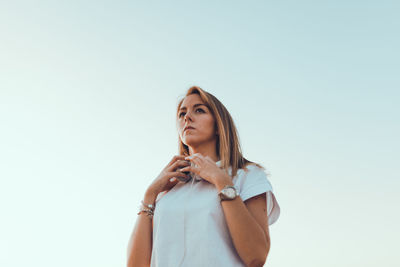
[[211, 206]]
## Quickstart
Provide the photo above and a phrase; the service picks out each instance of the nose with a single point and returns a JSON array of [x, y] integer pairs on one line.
[[187, 117]]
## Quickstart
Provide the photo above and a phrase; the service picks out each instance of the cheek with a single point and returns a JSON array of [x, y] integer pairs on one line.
[[209, 124], [180, 125]]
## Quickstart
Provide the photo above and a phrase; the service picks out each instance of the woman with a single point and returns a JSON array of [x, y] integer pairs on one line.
[[211, 206]]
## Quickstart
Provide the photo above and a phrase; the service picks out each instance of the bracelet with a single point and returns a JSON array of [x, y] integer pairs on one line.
[[148, 208], [149, 213]]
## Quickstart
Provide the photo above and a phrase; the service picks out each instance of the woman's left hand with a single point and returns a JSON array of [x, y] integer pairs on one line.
[[207, 169]]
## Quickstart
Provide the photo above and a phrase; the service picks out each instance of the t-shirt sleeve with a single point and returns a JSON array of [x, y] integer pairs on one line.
[[255, 182]]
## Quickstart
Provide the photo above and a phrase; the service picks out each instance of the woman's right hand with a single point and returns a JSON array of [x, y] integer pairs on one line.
[[167, 178]]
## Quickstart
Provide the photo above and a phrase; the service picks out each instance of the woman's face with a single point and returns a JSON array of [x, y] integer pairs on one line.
[[195, 114]]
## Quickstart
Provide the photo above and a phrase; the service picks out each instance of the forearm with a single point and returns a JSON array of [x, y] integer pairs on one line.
[[140, 243], [248, 237]]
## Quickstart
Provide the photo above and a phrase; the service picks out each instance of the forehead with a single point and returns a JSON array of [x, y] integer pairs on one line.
[[190, 100]]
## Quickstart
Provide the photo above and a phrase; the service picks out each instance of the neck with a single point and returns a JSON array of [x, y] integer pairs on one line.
[[206, 150]]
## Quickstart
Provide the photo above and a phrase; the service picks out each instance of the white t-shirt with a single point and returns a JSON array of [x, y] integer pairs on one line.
[[189, 226]]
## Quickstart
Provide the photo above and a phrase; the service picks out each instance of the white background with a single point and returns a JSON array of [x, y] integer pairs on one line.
[[88, 92]]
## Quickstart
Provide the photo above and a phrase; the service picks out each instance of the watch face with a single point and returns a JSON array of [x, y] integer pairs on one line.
[[230, 192]]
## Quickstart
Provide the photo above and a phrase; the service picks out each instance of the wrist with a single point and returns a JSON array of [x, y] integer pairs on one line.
[[150, 197], [222, 182]]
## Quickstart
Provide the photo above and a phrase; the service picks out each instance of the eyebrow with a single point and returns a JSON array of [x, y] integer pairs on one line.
[[195, 105]]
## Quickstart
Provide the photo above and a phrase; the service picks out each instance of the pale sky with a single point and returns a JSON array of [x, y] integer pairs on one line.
[[88, 92]]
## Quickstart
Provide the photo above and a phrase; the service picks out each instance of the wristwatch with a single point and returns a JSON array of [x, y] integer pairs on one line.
[[228, 193]]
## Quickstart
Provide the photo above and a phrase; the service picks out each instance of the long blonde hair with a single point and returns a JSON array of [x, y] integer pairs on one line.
[[228, 144]]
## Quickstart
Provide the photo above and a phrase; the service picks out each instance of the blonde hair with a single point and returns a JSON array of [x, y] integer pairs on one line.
[[228, 145]]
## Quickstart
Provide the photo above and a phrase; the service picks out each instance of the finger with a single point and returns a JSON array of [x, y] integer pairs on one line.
[[186, 169], [177, 174], [207, 158], [175, 158], [178, 164], [192, 169], [197, 155], [194, 156], [197, 161], [212, 162], [173, 180]]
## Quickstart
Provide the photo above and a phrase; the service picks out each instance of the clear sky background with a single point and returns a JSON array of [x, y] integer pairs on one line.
[[88, 91]]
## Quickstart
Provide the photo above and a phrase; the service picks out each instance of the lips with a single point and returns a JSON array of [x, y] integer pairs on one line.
[[188, 127]]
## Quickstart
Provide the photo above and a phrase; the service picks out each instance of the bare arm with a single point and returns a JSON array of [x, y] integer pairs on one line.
[[247, 223], [248, 227], [140, 243]]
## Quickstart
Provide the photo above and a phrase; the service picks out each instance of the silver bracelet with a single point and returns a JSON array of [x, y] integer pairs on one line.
[[149, 212], [149, 206]]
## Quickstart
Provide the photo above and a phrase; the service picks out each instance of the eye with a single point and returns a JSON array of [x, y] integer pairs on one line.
[[183, 113]]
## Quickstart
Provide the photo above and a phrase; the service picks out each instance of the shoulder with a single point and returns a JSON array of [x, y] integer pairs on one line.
[[251, 180], [253, 169], [253, 183]]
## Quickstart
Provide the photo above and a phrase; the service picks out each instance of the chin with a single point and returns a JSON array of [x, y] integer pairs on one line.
[[189, 142], [193, 141]]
